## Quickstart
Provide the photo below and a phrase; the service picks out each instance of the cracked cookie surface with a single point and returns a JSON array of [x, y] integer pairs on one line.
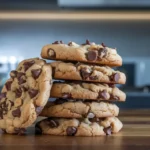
[[89, 91], [24, 95], [79, 127], [79, 109], [88, 52], [84, 72]]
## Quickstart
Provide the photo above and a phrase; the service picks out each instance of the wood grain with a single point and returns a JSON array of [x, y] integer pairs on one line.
[[134, 136]]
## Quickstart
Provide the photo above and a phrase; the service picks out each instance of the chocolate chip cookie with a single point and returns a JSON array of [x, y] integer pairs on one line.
[[88, 52], [66, 108], [91, 91], [79, 127], [24, 95], [84, 72]]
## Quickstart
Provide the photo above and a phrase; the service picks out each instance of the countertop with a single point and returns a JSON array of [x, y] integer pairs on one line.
[[135, 135]]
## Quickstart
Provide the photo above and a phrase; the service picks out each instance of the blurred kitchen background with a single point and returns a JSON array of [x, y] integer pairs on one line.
[[27, 25]]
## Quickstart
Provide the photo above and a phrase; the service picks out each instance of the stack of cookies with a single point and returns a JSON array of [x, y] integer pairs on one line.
[[83, 105], [84, 94]]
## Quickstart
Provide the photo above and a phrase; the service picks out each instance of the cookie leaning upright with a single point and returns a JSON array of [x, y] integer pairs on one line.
[[24, 95], [88, 53]]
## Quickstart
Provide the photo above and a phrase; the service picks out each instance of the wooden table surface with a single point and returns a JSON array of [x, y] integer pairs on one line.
[[134, 136]]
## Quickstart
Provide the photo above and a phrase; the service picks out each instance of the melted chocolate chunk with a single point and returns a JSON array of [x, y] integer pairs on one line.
[[102, 53], [103, 94], [93, 77], [51, 53], [28, 64], [107, 130], [66, 95], [53, 123], [8, 85], [16, 113], [92, 55], [33, 92], [115, 77], [2, 95], [84, 73], [18, 93], [71, 131], [36, 73]]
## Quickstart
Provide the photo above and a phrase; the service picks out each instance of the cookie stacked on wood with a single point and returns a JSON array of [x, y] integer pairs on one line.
[[83, 105]]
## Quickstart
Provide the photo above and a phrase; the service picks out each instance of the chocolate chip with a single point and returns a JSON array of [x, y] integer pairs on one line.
[[61, 42], [21, 81], [56, 42], [20, 74], [92, 55], [18, 93], [84, 73], [94, 119], [28, 64], [115, 77], [93, 77], [71, 131], [36, 73], [32, 92], [53, 123], [103, 94], [107, 130], [103, 45], [51, 53], [2, 95], [20, 131], [39, 110], [24, 88], [90, 115], [102, 53], [13, 73], [38, 129], [66, 95], [88, 42], [8, 85], [16, 113]]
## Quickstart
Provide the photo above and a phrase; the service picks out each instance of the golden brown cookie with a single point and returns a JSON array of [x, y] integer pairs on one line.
[[88, 52], [83, 90], [84, 72], [24, 95], [79, 127], [67, 108]]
